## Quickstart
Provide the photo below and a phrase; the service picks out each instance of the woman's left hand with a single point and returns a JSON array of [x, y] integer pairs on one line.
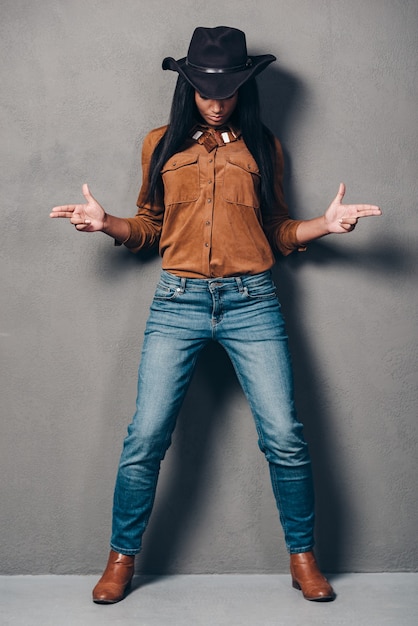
[[342, 218]]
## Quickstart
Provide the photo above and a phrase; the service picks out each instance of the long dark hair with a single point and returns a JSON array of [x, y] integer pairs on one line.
[[184, 114]]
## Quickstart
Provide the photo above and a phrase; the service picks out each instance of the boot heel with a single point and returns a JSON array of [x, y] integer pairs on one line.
[[295, 585]]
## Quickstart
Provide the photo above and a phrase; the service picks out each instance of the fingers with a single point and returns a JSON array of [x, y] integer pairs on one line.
[[367, 210], [67, 210], [341, 193], [348, 227], [348, 224], [360, 210], [63, 211], [87, 194], [348, 220], [356, 211]]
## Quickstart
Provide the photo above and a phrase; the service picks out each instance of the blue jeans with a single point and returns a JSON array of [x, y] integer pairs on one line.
[[243, 315]]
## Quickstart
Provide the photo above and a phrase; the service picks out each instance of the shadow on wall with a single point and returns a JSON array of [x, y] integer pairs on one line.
[[214, 384], [199, 431]]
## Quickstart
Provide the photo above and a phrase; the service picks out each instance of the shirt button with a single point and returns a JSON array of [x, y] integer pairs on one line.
[[210, 160], [209, 182], [209, 200], [206, 245], [207, 223]]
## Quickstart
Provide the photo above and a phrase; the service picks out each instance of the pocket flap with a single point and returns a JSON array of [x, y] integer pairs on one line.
[[248, 164], [178, 161]]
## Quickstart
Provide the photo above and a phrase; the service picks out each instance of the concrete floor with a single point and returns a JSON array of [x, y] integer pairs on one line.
[[228, 600]]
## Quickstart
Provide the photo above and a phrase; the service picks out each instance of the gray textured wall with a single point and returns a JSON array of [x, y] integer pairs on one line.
[[80, 86]]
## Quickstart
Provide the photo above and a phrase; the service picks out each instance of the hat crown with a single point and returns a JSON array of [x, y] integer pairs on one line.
[[219, 48], [217, 63]]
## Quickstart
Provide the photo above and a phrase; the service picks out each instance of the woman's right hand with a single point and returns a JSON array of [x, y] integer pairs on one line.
[[88, 217]]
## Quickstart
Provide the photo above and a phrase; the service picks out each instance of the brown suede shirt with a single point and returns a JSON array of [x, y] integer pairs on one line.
[[210, 223]]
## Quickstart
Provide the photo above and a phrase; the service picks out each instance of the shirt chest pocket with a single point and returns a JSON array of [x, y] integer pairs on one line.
[[241, 184], [181, 179]]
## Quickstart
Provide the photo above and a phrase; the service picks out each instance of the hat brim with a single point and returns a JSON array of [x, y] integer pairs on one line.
[[218, 86]]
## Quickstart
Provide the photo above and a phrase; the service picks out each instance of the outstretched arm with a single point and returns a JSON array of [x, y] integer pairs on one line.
[[338, 218], [91, 217]]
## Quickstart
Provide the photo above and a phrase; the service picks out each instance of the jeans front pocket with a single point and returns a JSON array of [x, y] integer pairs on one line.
[[164, 292], [260, 290]]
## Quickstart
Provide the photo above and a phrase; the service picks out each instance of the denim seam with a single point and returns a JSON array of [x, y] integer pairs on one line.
[[279, 506]]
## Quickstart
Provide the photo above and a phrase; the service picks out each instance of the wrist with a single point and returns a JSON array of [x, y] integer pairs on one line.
[[326, 225], [116, 227], [104, 223], [308, 230]]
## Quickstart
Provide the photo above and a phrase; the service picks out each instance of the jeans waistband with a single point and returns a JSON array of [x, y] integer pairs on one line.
[[235, 282]]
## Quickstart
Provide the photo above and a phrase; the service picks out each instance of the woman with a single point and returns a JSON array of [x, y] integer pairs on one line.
[[212, 199]]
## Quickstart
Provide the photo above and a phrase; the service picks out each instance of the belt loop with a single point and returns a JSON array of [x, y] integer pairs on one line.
[[240, 286], [182, 284]]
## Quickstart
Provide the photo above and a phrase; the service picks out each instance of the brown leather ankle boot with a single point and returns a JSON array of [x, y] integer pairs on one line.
[[307, 577], [116, 579]]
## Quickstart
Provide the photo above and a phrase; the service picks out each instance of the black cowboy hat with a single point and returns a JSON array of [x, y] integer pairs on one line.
[[217, 63]]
